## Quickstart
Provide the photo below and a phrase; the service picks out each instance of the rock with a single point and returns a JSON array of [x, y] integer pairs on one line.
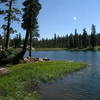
[[41, 60], [32, 60], [46, 59], [4, 71], [25, 59]]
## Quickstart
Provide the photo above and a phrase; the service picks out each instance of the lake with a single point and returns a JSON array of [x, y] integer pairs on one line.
[[81, 85]]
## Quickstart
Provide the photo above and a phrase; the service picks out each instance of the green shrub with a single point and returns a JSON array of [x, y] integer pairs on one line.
[[6, 57]]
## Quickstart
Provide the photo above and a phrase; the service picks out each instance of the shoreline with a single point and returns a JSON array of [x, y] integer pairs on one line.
[[67, 49], [24, 78]]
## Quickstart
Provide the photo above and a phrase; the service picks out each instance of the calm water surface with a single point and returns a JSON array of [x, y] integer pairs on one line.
[[82, 85]]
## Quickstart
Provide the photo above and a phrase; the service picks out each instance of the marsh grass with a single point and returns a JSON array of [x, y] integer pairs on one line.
[[22, 83]]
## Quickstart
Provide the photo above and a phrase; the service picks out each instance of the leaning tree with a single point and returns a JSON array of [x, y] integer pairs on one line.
[[31, 10]]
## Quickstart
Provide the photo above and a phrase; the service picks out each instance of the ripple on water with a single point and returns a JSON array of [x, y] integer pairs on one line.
[[82, 85]]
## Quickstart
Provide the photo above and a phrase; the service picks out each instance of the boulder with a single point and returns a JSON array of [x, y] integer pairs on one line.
[[46, 59], [41, 60], [4, 71], [32, 60]]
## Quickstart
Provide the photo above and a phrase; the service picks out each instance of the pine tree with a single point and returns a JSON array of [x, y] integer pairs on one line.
[[10, 16], [71, 41], [84, 39], [93, 37], [76, 39], [16, 41], [19, 40], [80, 45], [55, 40], [31, 11], [67, 41]]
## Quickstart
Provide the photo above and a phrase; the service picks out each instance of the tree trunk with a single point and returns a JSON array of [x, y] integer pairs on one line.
[[30, 49], [20, 56], [8, 26]]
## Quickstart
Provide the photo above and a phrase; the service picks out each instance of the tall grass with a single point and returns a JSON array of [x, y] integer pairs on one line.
[[22, 83]]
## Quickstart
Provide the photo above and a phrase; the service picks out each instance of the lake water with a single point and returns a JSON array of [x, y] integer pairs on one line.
[[81, 85]]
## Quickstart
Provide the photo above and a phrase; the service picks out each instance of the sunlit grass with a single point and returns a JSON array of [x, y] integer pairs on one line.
[[97, 48], [49, 49], [22, 82]]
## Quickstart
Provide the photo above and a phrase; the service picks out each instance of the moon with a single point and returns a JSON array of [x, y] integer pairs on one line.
[[75, 18]]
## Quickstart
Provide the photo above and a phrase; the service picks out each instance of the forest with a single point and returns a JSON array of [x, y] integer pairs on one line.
[[76, 40]]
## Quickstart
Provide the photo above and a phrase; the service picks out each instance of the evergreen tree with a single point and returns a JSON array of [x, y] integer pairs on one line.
[[19, 40], [84, 39], [98, 39], [71, 41], [80, 43], [55, 40], [10, 16], [31, 11], [76, 39], [16, 40], [67, 41], [93, 37]]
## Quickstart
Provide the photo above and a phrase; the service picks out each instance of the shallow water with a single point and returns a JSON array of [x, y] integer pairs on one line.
[[81, 85]]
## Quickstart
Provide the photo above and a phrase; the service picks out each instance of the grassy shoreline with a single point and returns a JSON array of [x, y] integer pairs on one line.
[[97, 48], [22, 82]]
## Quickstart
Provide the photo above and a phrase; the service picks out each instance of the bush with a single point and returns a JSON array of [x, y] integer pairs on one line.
[[6, 57]]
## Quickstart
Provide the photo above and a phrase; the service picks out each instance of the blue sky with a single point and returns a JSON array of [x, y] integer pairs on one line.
[[56, 16]]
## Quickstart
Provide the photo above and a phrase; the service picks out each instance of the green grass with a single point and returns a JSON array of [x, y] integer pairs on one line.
[[49, 49], [22, 83], [97, 48], [80, 49]]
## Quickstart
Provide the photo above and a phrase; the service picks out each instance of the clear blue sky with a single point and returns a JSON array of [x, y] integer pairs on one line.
[[56, 16]]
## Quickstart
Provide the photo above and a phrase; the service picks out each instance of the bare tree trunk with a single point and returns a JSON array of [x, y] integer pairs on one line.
[[30, 49], [8, 26]]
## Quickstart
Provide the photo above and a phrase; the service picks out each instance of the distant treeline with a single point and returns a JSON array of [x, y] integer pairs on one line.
[[75, 40]]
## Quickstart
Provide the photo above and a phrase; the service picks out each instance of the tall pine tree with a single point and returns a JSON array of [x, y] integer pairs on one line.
[[84, 38], [76, 39], [93, 37], [31, 11], [10, 16]]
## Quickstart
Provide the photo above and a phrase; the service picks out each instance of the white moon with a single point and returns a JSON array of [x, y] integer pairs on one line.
[[74, 18]]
